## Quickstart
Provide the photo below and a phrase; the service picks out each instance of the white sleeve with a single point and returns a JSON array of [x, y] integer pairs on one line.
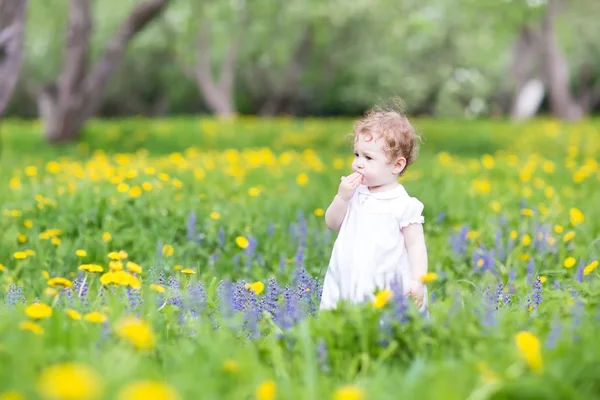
[[413, 213]]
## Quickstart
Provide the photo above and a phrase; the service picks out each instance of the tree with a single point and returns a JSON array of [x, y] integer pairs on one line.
[[12, 21], [68, 102]]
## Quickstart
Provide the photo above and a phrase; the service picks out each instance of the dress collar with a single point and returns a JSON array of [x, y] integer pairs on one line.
[[396, 192]]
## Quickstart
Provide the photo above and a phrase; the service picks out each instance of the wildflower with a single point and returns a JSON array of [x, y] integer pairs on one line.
[[590, 267], [135, 191], [527, 212], [256, 287], [91, 268], [2, 268], [113, 255], [526, 240], [188, 271], [215, 215], [242, 242], [21, 238], [319, 212], [349, 392], [137, 332], [157, 288], [382, 298], [231, 366], [20, 255], [568, 236], [133, 267], [254, 191], [62, 282], [95, 317], [147, 186], [73, 314], [302, 179], [487, 375], [429, 277], [576, 216], [106, 236], [168, 250], [31, 327], [28, 223], [148, 390], [569, 262], [81, 253], [528, 346], [38, 311], [115, 265], [495, 206], [69, 381], [266, 390]]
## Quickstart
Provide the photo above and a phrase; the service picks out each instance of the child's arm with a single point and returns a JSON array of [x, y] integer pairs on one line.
[[334, 216], [414, 240]]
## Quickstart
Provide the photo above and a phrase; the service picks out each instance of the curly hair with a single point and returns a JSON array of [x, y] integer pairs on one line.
[[391, 124]]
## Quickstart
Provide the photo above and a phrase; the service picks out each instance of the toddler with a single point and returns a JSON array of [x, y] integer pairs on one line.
[[380, 229]]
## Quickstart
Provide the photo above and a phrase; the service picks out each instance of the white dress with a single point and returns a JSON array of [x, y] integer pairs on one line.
[[369, 252]]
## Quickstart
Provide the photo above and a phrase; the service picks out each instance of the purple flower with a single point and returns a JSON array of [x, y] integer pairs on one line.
[[191, 226]]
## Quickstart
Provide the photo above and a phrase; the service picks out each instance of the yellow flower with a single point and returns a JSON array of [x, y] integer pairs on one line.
[[106, 236], [115, 265], [569, 262], [429, 277], [530, 350], [488, 161], [137, 332], [157, 288], [527, 212], [215, 215], [576, 216], [256, 287], [382, 298], [590, 267], [242, 242], [319, 212], [95, 317], [38, 311], [254, 191], [349, 392], [231, 366], [28, 223], [60, 282], [188, 271], [50, 292], [148, 390], [168, 250], [81, 253], [12, 395], [69, 381], [113, 255], [133, 267], [91, 268], [558, 229], [526, 240], [22, 238], [73, 314], [135, 191], [20, 255], [31, 327], [495, 206], [2, 268], [266, 390], [31, 171], [568, 236], [302, 179]]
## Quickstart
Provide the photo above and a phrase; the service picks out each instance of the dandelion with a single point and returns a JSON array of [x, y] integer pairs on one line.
[[253, 191], [266, 390], [569, 262], [319, 212], [231, 366], [69, 381], [133, 267], [20, 255], [31, 327], [38, 311], [168, 250], [81, 253], [157, 288], [382, 298], [302, 179], [576, 217], [188, 271], [148, 390], [429, 277], [215, 215], [242, 242], [529, 349], [60, 282], [137, 332], [12, 395], [95, 317], [106, 237], [349, 392], [75, 315], [568, 236], [256, 287], [590, 267]]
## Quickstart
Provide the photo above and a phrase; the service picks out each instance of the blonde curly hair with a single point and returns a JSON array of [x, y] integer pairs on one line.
[[391, 124]]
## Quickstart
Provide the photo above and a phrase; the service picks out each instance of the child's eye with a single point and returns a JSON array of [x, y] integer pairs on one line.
[[369, 158], [355, 154]]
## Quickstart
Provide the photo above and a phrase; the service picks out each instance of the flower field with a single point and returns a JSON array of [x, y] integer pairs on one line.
[[183, 259]]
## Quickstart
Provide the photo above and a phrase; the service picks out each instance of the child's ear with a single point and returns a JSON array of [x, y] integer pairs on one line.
[[399, 165]]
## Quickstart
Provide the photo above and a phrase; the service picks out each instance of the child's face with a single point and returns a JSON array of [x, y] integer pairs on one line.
[[371, 161]]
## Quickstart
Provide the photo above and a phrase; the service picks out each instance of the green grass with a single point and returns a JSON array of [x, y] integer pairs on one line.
[[499, 183]]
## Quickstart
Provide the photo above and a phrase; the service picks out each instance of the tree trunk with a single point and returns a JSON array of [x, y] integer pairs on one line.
[[293, 73], [12, 21], [66, 104], [562, 103]]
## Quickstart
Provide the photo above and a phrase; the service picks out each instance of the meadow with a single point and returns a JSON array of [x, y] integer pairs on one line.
[[182, 259]]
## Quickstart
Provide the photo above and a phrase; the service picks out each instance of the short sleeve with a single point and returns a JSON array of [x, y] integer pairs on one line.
[[413, 213]]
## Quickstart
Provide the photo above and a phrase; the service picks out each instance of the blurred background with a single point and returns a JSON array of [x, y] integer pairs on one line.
[[445, 58]]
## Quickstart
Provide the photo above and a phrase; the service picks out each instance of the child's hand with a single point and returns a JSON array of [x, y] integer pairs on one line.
[[417, 291], [348, 185]]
